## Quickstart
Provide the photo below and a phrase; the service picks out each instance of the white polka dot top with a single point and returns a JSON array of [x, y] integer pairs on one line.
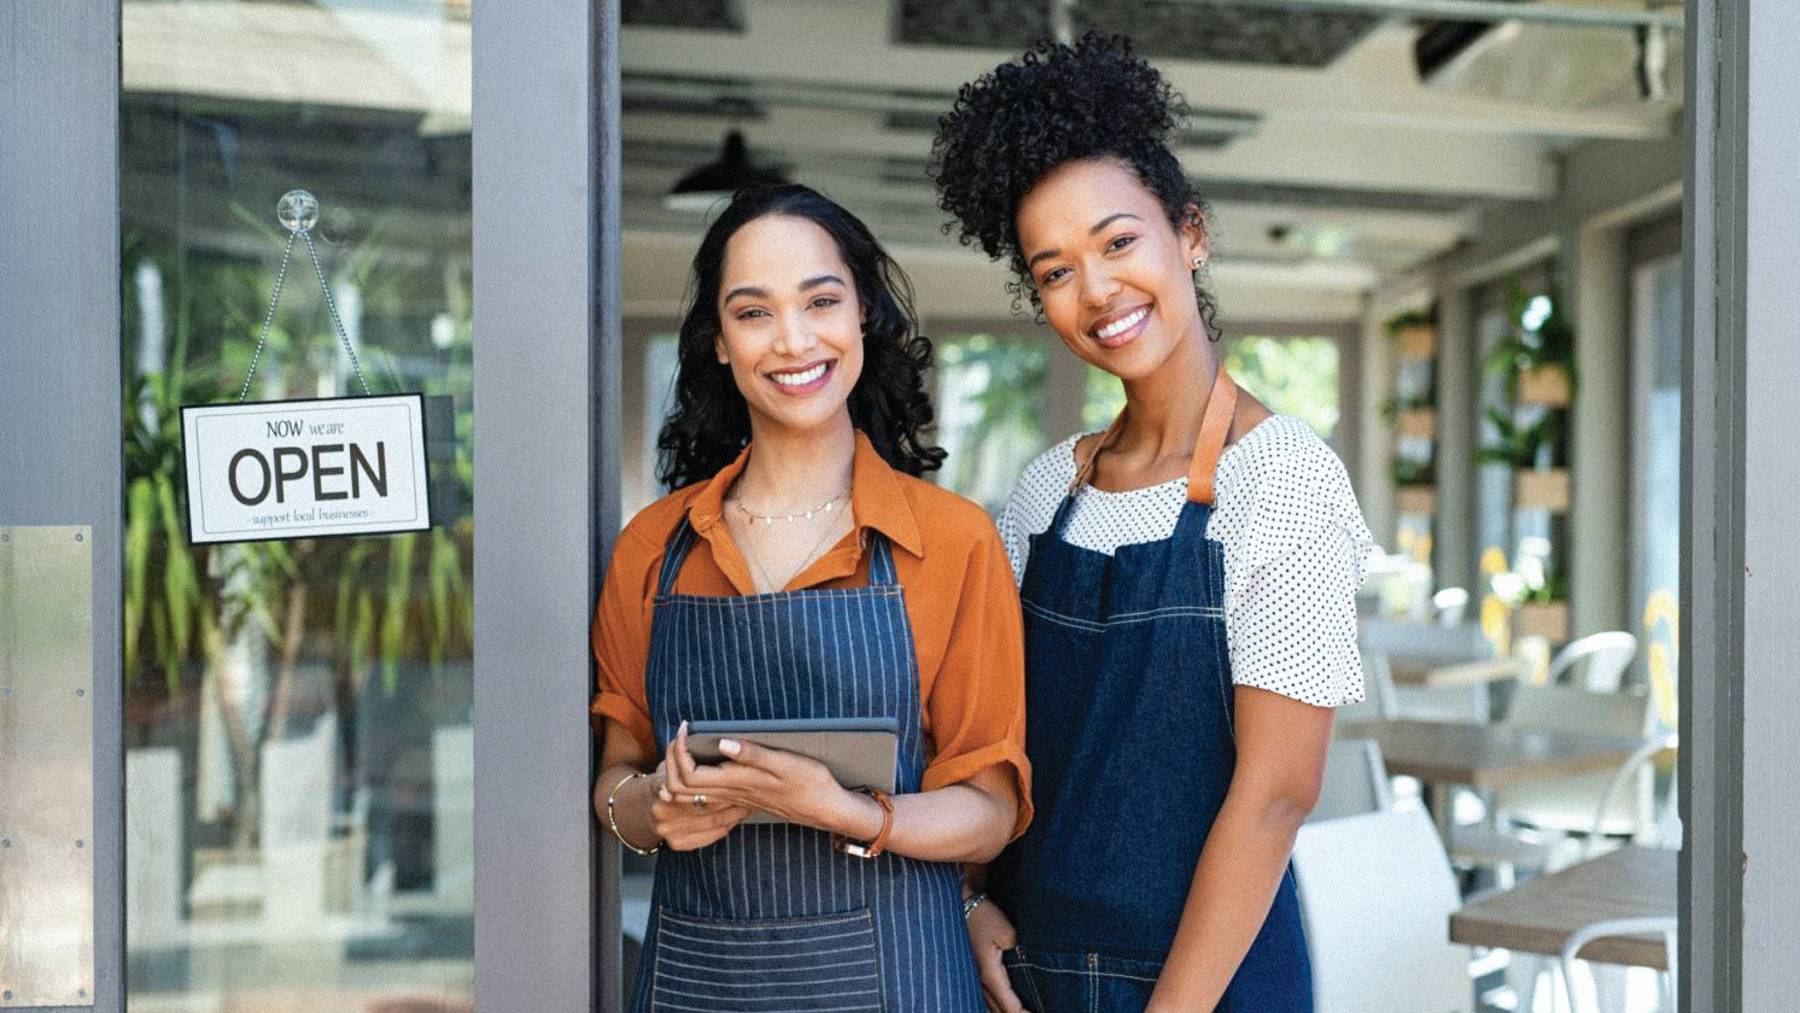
[[1294, 539]]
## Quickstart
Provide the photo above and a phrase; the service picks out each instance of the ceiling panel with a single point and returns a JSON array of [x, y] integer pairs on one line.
[[1182, 31], [716, 15]]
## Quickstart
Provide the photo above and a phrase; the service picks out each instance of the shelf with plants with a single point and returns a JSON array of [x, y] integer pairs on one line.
[[1412, 412], [1529, 434]]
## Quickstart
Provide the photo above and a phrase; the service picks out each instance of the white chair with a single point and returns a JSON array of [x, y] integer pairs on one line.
[[1507, 852], [1566, 804], [1376, 895], [1378, 702], [1385, 700], [1603, 658], [1664, 926], [1451, 604], [1355, 781]]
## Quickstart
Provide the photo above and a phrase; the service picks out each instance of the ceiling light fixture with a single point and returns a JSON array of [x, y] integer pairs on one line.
[[699, 191]]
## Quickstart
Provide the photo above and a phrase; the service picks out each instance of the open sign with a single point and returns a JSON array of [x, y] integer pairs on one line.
[[305, 469]]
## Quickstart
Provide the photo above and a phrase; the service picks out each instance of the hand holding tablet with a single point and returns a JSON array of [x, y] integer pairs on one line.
[[858, 752]]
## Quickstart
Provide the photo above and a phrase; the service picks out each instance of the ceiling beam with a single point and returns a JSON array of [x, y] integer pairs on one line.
[[844, 44], [1308, 153], [1474, 10]]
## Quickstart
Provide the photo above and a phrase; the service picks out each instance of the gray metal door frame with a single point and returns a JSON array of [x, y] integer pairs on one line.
[[546, 207], [546, 482], [60, 452], [1740, 888]]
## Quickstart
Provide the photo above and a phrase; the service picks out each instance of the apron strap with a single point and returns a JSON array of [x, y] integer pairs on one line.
[[1215, 426], [881, 561], [680, 543]]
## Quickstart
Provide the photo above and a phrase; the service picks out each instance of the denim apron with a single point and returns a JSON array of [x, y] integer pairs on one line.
[[771, 917], [1129, 732]]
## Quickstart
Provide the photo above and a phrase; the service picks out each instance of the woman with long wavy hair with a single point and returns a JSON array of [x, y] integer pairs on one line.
[[800, 570]]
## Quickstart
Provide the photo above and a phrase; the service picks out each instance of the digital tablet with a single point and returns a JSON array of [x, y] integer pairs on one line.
[[860, 752]]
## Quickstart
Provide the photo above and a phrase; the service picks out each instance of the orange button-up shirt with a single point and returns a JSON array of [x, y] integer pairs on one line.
[[958, 589]]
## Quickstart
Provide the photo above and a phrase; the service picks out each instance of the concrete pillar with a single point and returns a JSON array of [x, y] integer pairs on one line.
[[1456, 556], [1599, 444], [1374, 475]]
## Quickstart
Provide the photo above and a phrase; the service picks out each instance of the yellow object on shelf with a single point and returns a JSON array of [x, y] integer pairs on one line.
[[1416, 423], [1417, 342], [1546, 489], [1549, 620], [1416, 499], [1544, 385]]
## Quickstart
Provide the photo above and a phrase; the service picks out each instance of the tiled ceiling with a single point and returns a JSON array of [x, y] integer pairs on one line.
[[1171, 30], [715, 15]]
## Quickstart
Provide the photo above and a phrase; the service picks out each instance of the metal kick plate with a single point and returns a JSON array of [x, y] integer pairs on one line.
[[46, 767]]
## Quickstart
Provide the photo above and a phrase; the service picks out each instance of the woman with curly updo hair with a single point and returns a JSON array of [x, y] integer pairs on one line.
[[802, 573], [1188, 575]]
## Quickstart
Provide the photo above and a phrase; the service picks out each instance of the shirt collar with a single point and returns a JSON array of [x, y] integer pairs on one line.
[[876, 498]]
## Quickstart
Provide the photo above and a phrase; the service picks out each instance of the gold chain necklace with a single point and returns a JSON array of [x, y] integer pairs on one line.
[[804, 515], [757, 562]]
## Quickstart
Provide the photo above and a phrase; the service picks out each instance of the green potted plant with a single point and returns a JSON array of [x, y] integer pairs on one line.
[[1416, 492], [1522, 447], [1537, 356], [1537, 596], [1414, 333]]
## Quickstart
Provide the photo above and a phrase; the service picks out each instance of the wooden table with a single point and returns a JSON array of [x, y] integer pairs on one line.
[[1488, 756], [1459, 675], [1539, 915], [1444, 754]]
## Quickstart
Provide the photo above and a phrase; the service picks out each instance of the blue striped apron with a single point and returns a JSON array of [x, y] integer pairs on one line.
[[1128, 727], [771, 917]]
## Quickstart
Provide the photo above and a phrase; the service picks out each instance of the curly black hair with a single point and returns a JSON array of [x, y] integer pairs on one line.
[[1055, 104], [710, 425]]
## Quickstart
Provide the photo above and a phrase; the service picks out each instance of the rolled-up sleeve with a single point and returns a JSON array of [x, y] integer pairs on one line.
[[976, 703], [621, 636]]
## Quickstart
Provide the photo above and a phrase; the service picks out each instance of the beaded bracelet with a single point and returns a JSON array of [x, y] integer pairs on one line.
[[614, 824]]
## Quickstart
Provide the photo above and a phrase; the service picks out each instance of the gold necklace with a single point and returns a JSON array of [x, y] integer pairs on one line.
[[757, 562], [805, 515]]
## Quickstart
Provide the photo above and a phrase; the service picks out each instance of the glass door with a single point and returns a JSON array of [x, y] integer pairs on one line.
[[297, 713]]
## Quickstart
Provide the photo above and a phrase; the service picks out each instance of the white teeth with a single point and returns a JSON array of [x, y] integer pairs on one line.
[[801, 378], [1123, 324]]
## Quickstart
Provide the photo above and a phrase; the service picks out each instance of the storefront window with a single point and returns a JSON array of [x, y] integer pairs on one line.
[[1656, 297], [298, 713], [1292, 375], [990, 402]]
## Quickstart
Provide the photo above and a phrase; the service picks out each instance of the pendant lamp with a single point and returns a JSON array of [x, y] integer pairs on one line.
[[700, 190]]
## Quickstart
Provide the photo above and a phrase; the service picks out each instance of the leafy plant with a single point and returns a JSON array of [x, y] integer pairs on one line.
[[1411, 472], [1411, 318], [1516, 444], [1551, 342]]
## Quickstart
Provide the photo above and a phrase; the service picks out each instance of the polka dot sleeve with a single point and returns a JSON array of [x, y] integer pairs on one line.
[[1294, 544], [1295, 548]]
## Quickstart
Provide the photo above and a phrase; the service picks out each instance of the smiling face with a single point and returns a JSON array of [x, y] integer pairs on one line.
[[790, 324], [1114, 277]]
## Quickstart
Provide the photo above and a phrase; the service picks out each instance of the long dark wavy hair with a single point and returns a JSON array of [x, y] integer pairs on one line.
[[710, 425]]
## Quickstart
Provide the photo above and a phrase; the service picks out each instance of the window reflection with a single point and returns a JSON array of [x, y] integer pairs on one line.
[[299, 749]]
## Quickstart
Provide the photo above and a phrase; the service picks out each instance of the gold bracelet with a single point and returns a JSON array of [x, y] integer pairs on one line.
[[614, 824]]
